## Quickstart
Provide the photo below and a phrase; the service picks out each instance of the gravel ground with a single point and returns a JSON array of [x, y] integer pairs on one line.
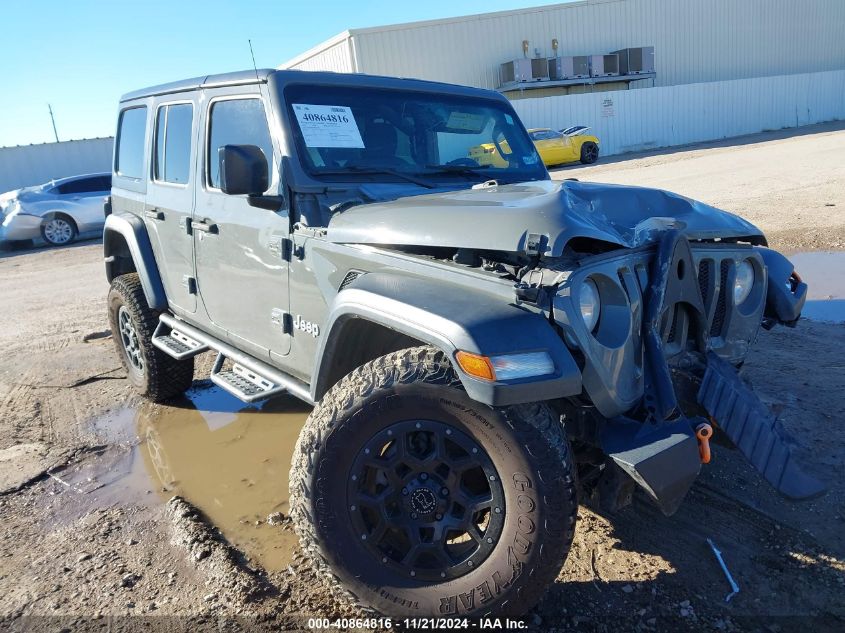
[[91, 535]]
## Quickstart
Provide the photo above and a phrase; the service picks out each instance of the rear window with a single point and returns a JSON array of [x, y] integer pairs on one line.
[[173, 143], [131, 130]]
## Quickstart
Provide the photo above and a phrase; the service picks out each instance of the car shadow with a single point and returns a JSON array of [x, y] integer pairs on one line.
[[13, 249]]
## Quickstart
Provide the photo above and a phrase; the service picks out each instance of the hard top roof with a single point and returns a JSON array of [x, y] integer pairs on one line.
[[262, 75]]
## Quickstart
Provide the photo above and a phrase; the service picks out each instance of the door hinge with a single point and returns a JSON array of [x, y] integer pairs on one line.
[[190, 284], [282, 319]]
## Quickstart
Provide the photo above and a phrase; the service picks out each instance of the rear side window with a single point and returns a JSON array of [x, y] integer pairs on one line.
[[173, 143], [130, 142], [84, 185], [236, 122]]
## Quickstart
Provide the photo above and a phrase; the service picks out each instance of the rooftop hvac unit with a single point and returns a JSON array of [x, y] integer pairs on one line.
[[604, 65], [635, 61], [539, 68], [516, 70], [569, 67]]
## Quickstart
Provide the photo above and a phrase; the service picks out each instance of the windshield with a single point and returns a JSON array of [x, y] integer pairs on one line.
[[348, 133]]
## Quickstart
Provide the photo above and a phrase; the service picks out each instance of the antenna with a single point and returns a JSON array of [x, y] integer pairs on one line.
[[254, 67], [55, 133]]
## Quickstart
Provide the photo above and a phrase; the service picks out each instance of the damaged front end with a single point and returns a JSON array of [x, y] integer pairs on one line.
[[659, 364]]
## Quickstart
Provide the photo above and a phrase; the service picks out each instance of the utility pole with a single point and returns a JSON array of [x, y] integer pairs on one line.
[[50, 108]]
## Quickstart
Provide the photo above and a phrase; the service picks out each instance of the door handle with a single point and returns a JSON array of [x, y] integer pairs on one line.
[[154, 214], [205, 227]]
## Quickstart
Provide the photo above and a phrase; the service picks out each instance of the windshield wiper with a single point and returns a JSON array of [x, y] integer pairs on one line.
[[455, 169], [355, 169]]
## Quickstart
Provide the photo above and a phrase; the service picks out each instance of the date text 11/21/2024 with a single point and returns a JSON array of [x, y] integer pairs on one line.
[[420, 624]]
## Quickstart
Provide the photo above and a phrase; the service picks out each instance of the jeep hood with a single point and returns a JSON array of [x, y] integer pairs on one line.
[[551, 213]]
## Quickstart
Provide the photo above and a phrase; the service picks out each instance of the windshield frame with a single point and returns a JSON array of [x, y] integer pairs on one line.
[[292, 92]]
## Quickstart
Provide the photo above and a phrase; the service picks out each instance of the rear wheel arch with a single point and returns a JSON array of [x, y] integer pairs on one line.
[[118, 256], [127, 248]]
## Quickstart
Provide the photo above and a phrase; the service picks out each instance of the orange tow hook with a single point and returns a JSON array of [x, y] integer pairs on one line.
[[704, 432]]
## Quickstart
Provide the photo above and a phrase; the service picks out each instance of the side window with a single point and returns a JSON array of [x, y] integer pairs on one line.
[[130, 142], [236, 122], [80, 185], [172, 152]]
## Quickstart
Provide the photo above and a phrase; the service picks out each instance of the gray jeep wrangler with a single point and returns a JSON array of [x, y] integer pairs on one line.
[[484, 347]]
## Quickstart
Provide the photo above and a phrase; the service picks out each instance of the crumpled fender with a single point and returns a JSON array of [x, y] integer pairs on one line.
[[453, 317], [131, 228], [786, 293]]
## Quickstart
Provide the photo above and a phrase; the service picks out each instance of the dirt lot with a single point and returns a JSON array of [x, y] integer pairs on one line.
[[111, 507]]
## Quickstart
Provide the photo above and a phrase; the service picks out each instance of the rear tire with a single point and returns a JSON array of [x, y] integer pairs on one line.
[[153, 373], [486, 505], [589, 153]]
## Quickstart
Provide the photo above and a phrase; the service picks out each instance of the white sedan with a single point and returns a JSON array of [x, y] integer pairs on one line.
[[57, 211]]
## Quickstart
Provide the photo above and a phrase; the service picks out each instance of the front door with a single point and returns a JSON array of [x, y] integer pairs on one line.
[[170, 200], [242, 274]]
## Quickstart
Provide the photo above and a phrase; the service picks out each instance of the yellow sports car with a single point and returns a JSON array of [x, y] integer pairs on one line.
[[555, 148]]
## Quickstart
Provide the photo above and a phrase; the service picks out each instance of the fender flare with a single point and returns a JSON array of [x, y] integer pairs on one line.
[[452, 317], [131, 228]]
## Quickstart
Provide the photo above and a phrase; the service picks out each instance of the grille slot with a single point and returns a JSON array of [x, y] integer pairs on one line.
[[722, 301], [704, 278]]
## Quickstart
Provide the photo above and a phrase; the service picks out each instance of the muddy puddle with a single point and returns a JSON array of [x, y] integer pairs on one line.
[[229, 460], [824, 273]]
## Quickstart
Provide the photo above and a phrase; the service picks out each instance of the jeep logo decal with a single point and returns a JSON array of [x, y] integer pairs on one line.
[[306, 326]]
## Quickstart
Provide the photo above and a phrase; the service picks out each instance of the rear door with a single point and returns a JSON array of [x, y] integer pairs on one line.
[[242, 273], [170, 198]]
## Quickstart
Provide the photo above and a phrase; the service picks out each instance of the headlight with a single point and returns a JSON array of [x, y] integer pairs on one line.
[[743, 282], [590, 304]]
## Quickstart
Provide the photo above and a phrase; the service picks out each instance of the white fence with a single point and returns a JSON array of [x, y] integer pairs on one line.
[[633, 120], [26, 165]]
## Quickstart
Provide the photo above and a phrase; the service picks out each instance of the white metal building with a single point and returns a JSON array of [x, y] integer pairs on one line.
[[774, 63], [25, 165]]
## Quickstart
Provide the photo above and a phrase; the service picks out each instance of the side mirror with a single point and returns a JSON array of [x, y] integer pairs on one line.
[[243, 170]]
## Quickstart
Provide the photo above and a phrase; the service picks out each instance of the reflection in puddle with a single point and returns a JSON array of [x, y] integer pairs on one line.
[[228, 460], [824, 273]]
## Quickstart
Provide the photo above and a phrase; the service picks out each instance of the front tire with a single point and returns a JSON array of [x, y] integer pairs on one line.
[[411, 499], [59, 230], [153, 373]]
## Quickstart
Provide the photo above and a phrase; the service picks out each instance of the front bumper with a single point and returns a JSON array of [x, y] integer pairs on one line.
[[671, 322], [18, 226]]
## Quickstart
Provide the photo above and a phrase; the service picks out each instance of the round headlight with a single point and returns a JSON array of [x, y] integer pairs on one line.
[[743, 282], [590, 304]]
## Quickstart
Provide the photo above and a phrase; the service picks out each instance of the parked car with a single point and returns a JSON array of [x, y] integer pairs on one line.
[[555, 148], [57, 211], [484, 347]]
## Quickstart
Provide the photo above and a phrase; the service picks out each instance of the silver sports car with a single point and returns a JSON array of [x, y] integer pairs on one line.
[[58, 210]]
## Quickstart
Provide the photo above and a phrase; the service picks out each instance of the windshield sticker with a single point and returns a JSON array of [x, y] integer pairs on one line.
[[327, 126], [509, 119], [466, 121]]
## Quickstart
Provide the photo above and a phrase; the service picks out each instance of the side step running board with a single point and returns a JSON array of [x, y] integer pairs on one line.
[[242, 382], [249, 379], [176, 343]]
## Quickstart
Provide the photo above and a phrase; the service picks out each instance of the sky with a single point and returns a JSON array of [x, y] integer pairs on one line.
[[81, 56]]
